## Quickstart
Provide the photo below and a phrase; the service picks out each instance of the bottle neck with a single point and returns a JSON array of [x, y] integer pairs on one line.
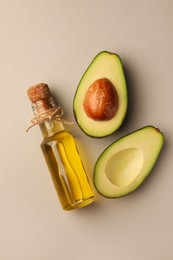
[[50, 126]]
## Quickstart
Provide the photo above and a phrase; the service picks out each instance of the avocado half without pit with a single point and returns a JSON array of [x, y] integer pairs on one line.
[[100, 101], [124, 165]]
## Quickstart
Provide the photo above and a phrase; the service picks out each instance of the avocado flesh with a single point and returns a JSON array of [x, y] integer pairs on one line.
[[124, 165], [105, 65]]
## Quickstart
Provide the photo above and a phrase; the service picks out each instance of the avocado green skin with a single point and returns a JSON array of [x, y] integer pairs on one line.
[[93, 135], [144, 177]]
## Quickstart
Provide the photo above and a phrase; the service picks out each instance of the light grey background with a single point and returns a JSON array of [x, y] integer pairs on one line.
[[54, 42]]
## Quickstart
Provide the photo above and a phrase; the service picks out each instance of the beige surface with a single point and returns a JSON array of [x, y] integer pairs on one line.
[[53, 42]]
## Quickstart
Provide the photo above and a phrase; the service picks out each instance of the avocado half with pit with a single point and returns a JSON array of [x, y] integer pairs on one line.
[[100, 101], [124, 165]]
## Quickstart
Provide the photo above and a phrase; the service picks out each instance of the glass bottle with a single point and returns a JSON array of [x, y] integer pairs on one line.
[[60, 151]]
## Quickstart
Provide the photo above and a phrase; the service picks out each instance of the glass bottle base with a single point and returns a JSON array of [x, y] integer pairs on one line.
[[79, 204]]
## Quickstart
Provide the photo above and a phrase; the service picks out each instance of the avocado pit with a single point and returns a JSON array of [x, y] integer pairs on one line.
[[101, 100]]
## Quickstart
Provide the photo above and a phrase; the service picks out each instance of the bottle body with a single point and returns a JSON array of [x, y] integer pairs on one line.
[[66, 168]]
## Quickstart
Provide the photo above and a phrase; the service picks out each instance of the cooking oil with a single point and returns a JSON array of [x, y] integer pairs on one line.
[[67, 170], [60, 151]]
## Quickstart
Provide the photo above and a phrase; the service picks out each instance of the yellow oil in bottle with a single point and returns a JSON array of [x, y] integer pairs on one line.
[[67, 171]]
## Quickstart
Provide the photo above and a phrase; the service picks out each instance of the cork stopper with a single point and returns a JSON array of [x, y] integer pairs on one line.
[[38, 92], [44, 106]]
